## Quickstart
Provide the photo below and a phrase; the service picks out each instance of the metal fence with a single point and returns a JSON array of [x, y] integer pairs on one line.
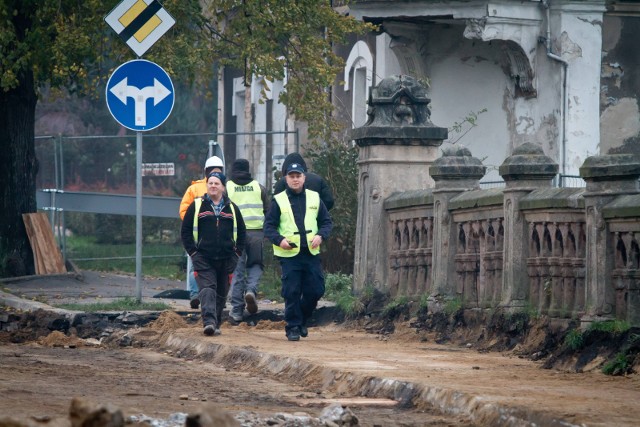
[[87, 186], [560, 181]]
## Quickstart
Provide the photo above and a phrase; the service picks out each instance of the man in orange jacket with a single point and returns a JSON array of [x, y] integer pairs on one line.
[[197, 189]]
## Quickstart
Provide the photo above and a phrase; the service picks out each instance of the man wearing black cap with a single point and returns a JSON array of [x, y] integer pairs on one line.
[[297, 223], [213, 234], [312, 181], [251, 198]]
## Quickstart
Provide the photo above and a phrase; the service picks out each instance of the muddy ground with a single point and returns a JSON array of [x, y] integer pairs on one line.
[[168, 367], [39, 377]]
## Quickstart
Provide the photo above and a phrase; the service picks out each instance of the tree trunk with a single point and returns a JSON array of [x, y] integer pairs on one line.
[[18, 169], [249, 126]]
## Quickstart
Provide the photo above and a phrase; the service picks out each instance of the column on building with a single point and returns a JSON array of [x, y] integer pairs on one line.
[[526, 170], [455, 172], [607, 177]]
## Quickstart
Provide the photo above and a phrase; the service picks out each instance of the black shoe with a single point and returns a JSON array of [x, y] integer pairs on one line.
[[293, 334], [250, 301], [195, 303], [304, 331], [209, 330]]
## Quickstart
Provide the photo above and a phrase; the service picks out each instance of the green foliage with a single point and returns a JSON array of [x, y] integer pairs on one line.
[[464, 127], [265, 37], [574, 339], [452, 306], [395, 305], [336, 161], [620, 365], [121, 304], [423, 303], [338, 288], [337, 285], [66, 44], [614, 327], [158, 260], [531, 311], [350, 305]]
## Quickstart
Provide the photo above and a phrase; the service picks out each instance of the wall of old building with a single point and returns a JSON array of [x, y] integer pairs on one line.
[[534, 66], [620, 84]]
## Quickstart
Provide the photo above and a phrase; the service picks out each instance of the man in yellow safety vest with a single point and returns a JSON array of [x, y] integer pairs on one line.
[[251, 198], [297, 223]]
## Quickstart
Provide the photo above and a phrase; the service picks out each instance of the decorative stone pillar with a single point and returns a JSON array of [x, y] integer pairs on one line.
[[607, 177], [397, 146], [527, 169], [456, 171]]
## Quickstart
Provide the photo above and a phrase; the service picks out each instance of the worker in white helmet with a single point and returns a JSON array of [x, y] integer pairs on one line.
[[197, 189]]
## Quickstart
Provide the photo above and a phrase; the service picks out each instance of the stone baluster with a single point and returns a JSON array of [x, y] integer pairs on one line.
[[456, 171], [527, 169], [607, 177]]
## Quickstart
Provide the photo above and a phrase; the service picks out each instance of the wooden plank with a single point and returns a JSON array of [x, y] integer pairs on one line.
[[48, 259], [48, 246], [31, 233]]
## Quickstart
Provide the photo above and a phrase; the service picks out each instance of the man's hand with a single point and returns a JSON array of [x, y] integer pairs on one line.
[[316, 241], [284, 244]]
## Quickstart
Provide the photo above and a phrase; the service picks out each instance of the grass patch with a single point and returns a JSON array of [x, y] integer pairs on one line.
[[337, 286], [158, 260], [395, 305], [613, 327], [122, 304], [574, 339], [618, 366], [423, 303], [452, 306]]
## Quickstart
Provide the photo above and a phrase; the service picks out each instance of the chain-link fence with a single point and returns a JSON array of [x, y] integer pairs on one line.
[[87, 184]]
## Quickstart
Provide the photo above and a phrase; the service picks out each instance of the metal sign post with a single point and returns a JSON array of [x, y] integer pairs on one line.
[[139, 93], [139, 216]]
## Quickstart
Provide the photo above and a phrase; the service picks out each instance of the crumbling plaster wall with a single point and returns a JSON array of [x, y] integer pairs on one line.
[[477, 55], [620, 85], [467, 77]]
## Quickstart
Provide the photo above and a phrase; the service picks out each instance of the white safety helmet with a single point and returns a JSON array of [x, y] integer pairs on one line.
[[213, 162]]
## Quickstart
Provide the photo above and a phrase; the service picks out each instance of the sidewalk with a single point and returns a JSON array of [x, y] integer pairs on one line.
[[492, 388]]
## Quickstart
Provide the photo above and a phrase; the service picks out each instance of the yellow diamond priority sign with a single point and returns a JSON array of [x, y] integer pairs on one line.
[[140, 23]]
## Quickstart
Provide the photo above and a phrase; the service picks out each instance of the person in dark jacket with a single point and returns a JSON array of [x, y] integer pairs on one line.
[[297, 223], [214, 235], [312, 181], [251, 198]]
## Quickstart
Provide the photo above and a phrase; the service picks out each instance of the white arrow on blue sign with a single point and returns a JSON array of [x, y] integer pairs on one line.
[[140, 95]]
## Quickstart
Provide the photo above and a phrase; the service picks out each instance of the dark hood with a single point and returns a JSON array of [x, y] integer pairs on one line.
[[240, 173]]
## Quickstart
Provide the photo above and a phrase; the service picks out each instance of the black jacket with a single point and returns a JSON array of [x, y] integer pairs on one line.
[[215, 234], [312, 181]]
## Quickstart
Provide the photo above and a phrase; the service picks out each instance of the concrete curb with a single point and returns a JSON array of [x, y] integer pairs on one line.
[[18, 303]]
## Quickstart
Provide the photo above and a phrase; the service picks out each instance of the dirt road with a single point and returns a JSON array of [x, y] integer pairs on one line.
[[172, 369], [37, 380]]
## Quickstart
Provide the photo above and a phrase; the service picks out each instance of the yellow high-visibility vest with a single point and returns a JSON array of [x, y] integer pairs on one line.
[[248, 198], [288, 227], [198, 203]]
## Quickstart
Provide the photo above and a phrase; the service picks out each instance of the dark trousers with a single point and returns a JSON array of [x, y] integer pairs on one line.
[[302, 287], [213, 287]]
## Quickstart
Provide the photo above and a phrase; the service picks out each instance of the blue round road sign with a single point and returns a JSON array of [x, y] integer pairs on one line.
[[140, 95]]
